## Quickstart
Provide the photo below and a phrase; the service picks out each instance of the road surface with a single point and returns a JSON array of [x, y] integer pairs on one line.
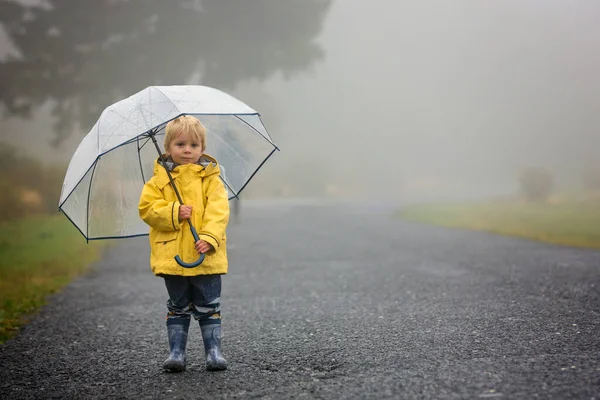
[[331, 301]]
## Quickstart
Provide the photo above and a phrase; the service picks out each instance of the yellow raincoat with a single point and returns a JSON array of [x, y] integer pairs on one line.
[[201, 188]]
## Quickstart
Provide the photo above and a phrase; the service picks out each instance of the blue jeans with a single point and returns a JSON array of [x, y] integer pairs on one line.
[[197, 296]]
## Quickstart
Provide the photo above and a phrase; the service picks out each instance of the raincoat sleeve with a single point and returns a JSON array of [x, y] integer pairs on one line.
[[157, 212], [216, 213]]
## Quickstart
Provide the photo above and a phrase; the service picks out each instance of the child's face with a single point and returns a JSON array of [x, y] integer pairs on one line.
[[184, 149]]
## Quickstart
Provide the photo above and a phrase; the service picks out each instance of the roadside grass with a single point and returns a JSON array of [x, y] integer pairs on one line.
[[570, 223], [38, 257]]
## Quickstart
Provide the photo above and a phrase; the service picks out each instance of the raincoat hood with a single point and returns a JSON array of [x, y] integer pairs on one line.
[[205, 167]]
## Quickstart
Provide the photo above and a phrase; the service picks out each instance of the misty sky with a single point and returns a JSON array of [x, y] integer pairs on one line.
[[416, 98]]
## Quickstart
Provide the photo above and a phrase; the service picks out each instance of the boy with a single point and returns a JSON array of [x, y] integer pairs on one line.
[[192, 291]]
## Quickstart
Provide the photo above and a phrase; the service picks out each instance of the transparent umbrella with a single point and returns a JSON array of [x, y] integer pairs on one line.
[[107, 172]]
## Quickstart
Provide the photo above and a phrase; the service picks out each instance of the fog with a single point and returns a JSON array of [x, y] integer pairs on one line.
[[402, 100]]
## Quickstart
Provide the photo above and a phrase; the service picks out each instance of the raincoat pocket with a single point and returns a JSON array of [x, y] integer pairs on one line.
[[166, 244]]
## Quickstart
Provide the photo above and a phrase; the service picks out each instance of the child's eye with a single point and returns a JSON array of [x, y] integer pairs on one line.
[[195, 145]]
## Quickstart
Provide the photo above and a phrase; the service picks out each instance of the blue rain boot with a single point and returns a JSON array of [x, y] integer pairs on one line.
[[211, 335], [177, 330]]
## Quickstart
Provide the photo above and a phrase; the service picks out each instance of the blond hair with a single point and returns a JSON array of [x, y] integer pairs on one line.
[[185, 124]]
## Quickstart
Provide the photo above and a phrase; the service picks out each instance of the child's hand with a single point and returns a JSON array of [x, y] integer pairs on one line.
[[185, 212], [203, 246]]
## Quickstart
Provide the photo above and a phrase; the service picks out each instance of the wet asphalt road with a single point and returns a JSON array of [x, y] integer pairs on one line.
[[331, 301]]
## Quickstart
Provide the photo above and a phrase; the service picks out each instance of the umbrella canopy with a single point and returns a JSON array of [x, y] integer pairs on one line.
[[107, 172]]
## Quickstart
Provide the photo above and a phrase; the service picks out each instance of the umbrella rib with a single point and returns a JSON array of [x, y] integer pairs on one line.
[[167, 97], [75, 225], [75, 186], [259, 167], [138, 105], [266, 131], [255, 130], [139, 149], [143, 144], [230, 188], [87, 209], [167, 100], [158, 117], [118, 237], [123, 121], [149, 102], [129, 141]]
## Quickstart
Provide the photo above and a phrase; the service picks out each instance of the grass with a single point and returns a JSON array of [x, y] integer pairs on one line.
[[571, 223], [38, 256]]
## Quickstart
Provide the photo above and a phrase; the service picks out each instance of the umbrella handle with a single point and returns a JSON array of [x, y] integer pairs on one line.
[[199, 260]]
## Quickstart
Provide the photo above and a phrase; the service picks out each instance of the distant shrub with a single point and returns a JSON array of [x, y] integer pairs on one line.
[[536, 184]]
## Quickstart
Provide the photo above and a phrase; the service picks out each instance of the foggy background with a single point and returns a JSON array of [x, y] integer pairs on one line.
[[391, 100]]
